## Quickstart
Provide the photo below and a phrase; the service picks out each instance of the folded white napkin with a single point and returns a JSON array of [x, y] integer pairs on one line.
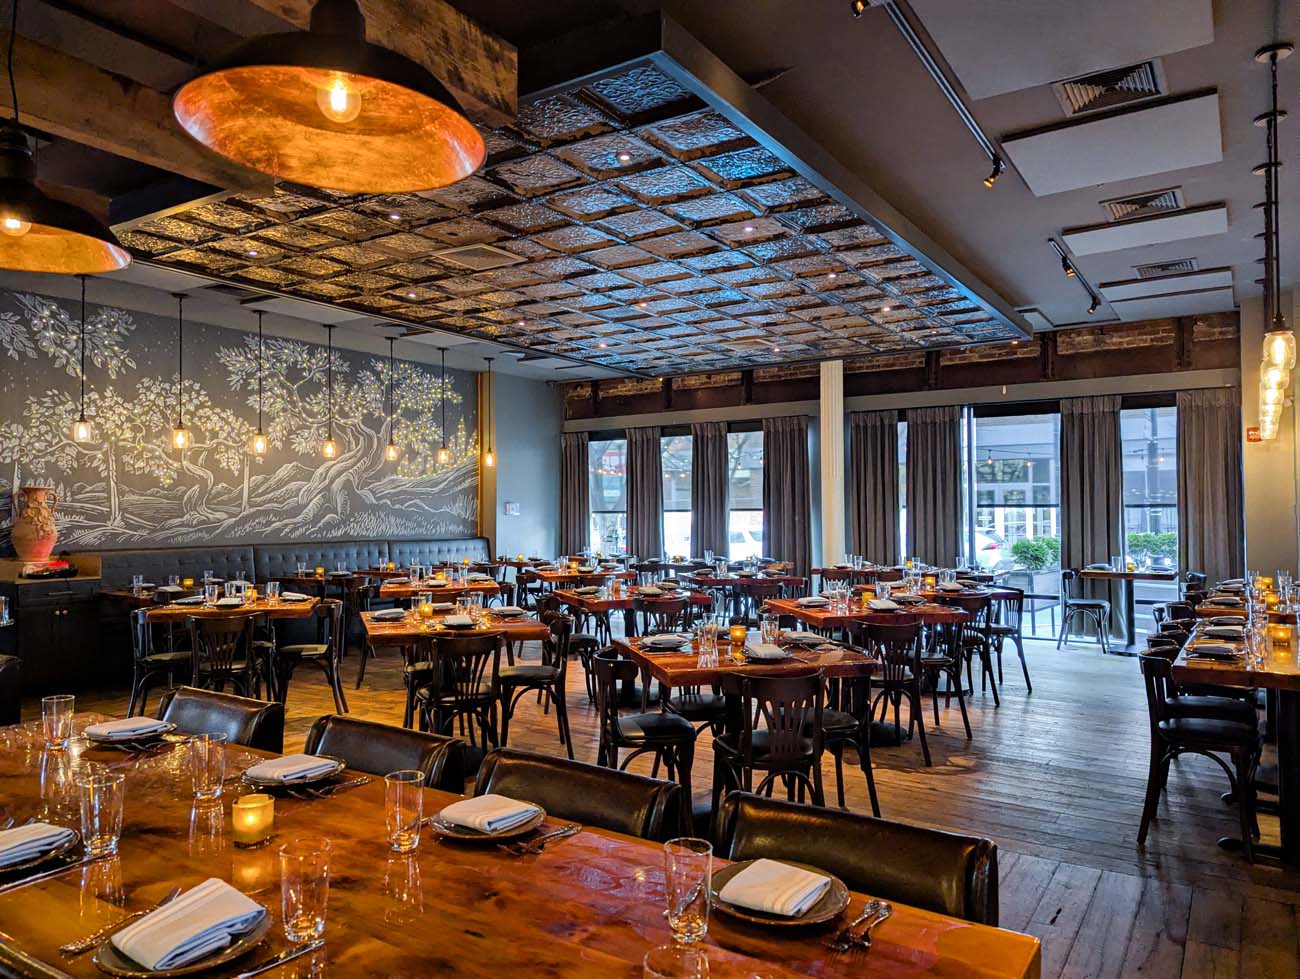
[[508, 610], [775, 888], [1100, 566], [124, 727], [882, 605], [291, 768], [666, 639], [967, 583], [240, 581], [170, 589], [481, 577], [814, 600], [801, 636], [294, 596], [951, 586], [765, 650], [202, 920], [442, 606], [589, 569], [192, 600], [457, 621], [587, 590], [1232, 581], [337, 574], [147, 584], [389, 615], [1237, 620], [648, 590], [670, 585], [489, 813], [232, 602], [1231, 586], [29, 842], [398, 581], [1217, 631], [1216, 650], [1225, 600]]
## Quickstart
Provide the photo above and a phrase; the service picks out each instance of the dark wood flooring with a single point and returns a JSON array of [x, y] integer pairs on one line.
[[1056, 779]]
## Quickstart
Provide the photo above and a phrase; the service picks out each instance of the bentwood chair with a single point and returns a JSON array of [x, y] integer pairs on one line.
[[620, 802], [548, 679], [781, 735], [1094, 610], [221, 649], [897, 645], [659, 614], [462, 685], [324, 654], [943, 657], [925, 868], [1006, 623], [848, 723], [243, 720], [1217, 702], [378, 749], [151, 663], [976, 637], [1173, 735]]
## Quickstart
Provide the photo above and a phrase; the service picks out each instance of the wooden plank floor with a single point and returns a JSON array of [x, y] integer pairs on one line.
[[1056, 779]]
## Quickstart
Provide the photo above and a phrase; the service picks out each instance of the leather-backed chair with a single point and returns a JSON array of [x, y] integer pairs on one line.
[[589, 794], [378, 749], [243, 720], [927, 868], [10, 689]]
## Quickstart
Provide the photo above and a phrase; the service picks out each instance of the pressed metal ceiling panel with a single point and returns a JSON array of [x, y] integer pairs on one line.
[[999, 46], [652, 231]]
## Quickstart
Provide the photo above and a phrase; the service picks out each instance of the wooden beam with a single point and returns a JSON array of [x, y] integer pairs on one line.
[[65, 97], [480, 69]]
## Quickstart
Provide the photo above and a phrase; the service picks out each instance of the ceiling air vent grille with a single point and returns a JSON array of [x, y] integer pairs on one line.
[[1108, 89], [479, 257], [1144, 205], [1155, 270]]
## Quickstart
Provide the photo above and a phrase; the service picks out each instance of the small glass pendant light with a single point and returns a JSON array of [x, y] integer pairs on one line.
[[444, 453], [392, 451], [181, 437], [329, 449], [258, 444], [82, 431]]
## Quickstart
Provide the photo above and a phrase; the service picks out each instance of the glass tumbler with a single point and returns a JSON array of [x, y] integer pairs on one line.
[[103, 795], [688, 877], [210, 594], [675, 962], [403, 809], [272, 589], [208, 765], [56, 717], [304, 887], [770, 626]]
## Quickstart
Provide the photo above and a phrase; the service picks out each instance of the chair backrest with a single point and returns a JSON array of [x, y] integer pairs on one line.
[[896, 643], [611, 671], [11, 668], [659, 614], [788, 708], [145, 634], [378, 749], [1158, 675], [1068, 578], [555, 647], [589, 794], [243, 720], [927, 868], [1009, 606], [977, 609], [220, 643], [1180, 610], [328, 616], [465, 665], [757, 588]]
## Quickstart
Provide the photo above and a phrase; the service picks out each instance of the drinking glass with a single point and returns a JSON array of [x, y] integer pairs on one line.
[[302, 570], [272, 589], [210, 594], [688, 875], [56, 716], [234, 589], [173, 579], [137, 580], [770, 628], [403, 809], [208, 765], [102, 794], [675, 962], [304, 887], [4, 610], [882, 589], [208, 576], [341, 566]]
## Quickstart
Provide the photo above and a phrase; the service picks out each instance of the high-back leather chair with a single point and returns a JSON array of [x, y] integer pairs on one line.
[[926, 868], [378, 749], [243, 720], [589, 794], [10, 689]]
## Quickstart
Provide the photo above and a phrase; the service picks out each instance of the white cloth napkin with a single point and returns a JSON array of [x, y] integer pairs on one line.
[[765, 650], [801, 636], [291, 768], [125, 727], [967, 583], [1237, 620], [883, 605], [1213, 649], [398, 581], [295, 596], [30, 841], [192, 600], [240, 581], [587, 590], [666, 639], [775, 888], [489, 813], [508, 610], [670, 585], [232, 602], [457, 621], [1217, 631], [171, 589], [814, 600], [199, 922], [389, 615], [951, 586], [1231, 586], [1225, 600], [442, 606], [648, 590]]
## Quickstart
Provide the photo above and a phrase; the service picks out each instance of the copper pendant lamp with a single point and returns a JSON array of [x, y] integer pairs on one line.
[[38, 233], [324, 107]]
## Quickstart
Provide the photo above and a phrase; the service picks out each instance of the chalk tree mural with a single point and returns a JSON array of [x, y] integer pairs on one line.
[[128, 488]]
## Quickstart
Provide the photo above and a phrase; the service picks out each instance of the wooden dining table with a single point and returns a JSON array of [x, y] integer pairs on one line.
[[824, 617], [447, 589], [568, 577], [409, 628], [280, 609], [600, 606], [589, 905], [1128, 579]]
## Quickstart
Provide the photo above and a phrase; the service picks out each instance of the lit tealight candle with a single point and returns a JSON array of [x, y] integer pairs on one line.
[[320, 571], [1281, 633], [465, 561], [392, 566], [1263, 582], [737, 634], [250, 595], [187, 582], [519, 556], [252, 817], [930, 581], [1271, 600], [424, 610], [440, 576]]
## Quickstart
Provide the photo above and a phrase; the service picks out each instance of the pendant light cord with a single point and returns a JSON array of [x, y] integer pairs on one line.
[[1274, 157], [390, 390], [259, 372], [443, 392], [180, 358], [329, 380], [9, 59], [488, 404], [83, 345]]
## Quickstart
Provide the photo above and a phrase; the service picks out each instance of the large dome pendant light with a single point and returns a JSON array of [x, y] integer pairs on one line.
[[324, 107], [38, 233], [181, 437]]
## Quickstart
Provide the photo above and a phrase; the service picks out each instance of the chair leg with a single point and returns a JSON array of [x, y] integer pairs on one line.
[[1020, 649], [917, 717], [136, 684], [336, 685], [864, 759], [961, 702], [1154, 784], [366, 653], [837, 752], [507, 709], [1065, 624], [561, 720], [1245, 802]]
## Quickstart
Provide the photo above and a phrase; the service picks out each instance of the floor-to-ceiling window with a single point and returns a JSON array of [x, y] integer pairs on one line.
[[1149, 442], [675, 455], [607, 474], [745, 494]]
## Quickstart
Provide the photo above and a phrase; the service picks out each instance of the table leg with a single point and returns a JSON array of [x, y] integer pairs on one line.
[[1130, 610], [1288, 785]]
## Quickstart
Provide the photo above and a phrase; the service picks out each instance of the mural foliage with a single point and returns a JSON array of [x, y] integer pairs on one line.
[[128, 488]]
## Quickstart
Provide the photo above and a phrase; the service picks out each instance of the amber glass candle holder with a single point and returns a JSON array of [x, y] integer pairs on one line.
[[187, 582], [425, 611], [737, 634], [930, 581], [320, 571], [252, 817]]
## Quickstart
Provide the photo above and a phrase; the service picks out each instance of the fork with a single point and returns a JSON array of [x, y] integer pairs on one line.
[[327, 791], [93, 940], [537, 845], [863, 941], [843, 940]]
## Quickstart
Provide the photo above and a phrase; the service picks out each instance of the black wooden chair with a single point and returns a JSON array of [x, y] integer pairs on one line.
[[462, 685], [221, 650], [1094, 610], [976, 637], [848, 723], [243, 720], [378, 749], [151, 663], [324, 654], [1006, 623], [547, 678], [897, 644]]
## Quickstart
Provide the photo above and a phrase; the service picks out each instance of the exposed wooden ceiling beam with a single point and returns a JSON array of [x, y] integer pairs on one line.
[[66, 97], [480, 69]]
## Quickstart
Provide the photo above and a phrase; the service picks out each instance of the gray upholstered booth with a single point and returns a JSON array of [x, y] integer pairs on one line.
[[405, 552], [270, 560], [156, 563]]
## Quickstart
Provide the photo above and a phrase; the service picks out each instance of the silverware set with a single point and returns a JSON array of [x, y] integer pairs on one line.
[[873, 913], [96, 938], [326, 791], [275, 961], [524, 848]]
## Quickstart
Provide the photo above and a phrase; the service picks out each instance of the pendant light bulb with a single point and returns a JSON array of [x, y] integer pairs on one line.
[[181, 438], [82, 432], [489, 459], [392, 452], [329, 449], [444, 456], [14, 227], [1279, 348], [1275, 377], [339, 101], [257, 445]]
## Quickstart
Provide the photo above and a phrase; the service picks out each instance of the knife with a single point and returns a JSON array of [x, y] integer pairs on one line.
[[266, 965]]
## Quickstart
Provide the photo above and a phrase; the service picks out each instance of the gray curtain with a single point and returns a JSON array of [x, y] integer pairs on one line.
[[1211, 532], [1092, 495], [645, 493], [787, 510], [575, 493], [873, 485], [934, 483], [709, 488]]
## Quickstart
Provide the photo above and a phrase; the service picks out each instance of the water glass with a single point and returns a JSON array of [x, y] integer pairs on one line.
[[304, 887], [882, 589], [210, 594], [272, 589], [675, 962], [770, 628], [234, 589], [208, 576], [4, 610], [688, 877], [301, 570], [102, 795], [174, 580], [56, 717], [403, 809], [208, 765], [341, 566]]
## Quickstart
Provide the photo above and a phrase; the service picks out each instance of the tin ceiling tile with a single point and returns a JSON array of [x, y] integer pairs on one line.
[[638, 92], [640, 223], [678, 245], [780, 195], [461, 231], [181, 231], [664, 185], [741, 167], [560, 118], [825, 217], [780, 249], [610, 156], [322, 290], [347, 224], [619, 257], [247, 248], [574, 238], [208, 261], [656, 272], [525, 218], [590, 203], [688, 286], [312, 266], [470, 195], [141, 243], [695, 135], [295, 236], [713, 209], [533, 176]]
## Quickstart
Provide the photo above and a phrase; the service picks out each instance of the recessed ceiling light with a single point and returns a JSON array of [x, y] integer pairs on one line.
[[641, 305], [749, 229], [624, 156], [601, 345], [410, 295], [519, 323], [252, 253], [830, 275], [884, 309], [394, 216]]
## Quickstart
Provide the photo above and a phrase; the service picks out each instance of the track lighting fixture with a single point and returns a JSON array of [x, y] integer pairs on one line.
[[1094, 305], [857, 7], [1067, 268], [998, 167]]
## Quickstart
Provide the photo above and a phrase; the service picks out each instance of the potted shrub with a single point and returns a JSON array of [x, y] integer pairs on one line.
[[1037, 570]]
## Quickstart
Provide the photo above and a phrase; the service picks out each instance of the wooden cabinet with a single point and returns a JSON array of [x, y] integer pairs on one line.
[[56, 634]]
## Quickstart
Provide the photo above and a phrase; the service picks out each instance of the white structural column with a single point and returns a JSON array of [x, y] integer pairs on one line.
[[832, 460]]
